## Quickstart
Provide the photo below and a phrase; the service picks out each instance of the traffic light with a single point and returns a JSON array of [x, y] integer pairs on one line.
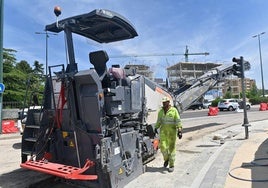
[[246, 65], [238, 67]]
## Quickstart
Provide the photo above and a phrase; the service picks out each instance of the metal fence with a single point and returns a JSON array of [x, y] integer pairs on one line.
[[12, 104]]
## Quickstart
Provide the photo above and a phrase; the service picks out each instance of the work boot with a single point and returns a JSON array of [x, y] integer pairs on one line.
[[171, 169], [166, 163]]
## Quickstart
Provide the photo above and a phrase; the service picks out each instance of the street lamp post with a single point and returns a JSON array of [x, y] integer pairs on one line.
[[258, 35], [47, 35], [1, 57]]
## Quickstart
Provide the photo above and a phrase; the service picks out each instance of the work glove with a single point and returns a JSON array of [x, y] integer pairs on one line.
[[179, 134], [155, 131]]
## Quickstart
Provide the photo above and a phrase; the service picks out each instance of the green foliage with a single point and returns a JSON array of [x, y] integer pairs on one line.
[[253, 92], [38, 68], [24, 67], [255, 96], [15, 75], [215, 102], [228, 95], [9, 55], [258, 100], [9, 60]]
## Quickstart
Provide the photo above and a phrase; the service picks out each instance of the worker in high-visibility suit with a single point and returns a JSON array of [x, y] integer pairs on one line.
[[170, 127]]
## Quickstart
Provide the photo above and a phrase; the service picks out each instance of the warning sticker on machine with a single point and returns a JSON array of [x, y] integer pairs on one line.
[[116, 150]]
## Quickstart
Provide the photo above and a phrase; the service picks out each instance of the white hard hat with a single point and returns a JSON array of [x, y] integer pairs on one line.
[[165, 99]]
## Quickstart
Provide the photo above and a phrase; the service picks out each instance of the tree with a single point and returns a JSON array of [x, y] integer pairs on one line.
[[38, 68], [9, 59], [253, 92], [38, 79], [24, 67], [228, 95], [15, 76]]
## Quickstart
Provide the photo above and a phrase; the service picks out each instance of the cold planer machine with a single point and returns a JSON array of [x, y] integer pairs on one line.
[[95, 128]]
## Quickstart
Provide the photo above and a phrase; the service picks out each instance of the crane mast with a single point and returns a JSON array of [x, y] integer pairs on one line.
[[187, 53]]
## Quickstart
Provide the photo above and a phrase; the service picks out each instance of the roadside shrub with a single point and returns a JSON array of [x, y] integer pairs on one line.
[[258, 100], [214, 103]]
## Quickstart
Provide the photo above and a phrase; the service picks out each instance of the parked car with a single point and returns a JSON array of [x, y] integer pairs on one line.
[[207, 104], [228, 104], [248, 105], [196, 105], [232, 104]]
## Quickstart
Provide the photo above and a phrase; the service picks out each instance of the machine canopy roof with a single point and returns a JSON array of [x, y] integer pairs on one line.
[[100, 25]]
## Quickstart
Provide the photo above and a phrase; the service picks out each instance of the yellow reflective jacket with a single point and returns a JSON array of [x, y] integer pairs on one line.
[[171, 118]]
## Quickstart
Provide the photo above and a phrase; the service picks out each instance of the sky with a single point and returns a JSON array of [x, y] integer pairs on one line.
[[223, 28]]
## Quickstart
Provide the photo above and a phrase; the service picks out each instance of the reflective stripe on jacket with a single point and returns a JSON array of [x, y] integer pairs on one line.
[[171, 118]]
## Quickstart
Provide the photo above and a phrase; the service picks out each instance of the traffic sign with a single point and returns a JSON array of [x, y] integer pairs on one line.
[[2, 87]]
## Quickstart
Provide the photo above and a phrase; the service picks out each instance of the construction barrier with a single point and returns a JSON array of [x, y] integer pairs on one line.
[[8, 126], [213, 111], [263, 106]]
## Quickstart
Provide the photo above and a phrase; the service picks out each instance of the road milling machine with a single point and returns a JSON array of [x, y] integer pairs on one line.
[[95, 127]]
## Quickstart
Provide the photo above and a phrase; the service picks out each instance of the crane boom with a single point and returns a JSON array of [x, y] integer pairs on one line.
[[186, 54], [145, 55]]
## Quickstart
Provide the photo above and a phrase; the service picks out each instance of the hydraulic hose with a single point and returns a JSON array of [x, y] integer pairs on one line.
[[253, 163]]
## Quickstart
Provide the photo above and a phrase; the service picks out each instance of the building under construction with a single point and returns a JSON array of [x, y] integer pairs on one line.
[[183, 72], [186, 71]]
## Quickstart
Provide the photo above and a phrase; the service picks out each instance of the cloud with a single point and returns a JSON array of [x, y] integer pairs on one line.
[[163, 26]]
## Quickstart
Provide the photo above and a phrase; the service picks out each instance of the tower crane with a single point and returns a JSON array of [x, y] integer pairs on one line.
[[186, 54]]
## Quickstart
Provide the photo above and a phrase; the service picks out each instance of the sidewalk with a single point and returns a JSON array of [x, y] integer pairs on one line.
[[249, 167], [239, 162]]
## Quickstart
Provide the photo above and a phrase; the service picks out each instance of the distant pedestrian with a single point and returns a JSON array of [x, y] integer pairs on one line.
[[170, 127]]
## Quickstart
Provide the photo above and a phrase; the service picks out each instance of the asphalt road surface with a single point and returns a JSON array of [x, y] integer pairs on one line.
[[198, 119], [204, 112]]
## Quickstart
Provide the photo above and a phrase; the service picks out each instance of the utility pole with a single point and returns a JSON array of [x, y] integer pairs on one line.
[[187, 53], [47, 36], [1, 57], [259, 40]]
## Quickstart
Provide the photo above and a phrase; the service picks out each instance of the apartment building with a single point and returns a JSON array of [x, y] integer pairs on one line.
[[234, 85]]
